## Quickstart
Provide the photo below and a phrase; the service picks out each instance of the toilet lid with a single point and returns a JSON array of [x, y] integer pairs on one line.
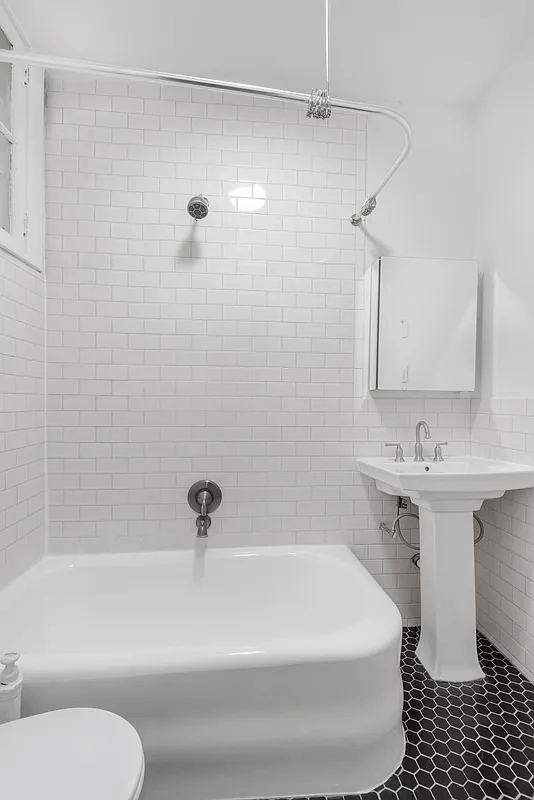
[[72, 754]]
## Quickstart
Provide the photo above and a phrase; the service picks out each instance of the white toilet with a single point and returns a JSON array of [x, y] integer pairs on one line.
[[72, 754]]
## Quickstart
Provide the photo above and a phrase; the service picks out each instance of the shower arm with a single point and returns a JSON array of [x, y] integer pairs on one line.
[[90, 68]]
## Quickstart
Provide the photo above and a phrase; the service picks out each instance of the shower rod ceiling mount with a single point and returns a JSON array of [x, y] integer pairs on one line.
[[153, 76], [319, 106]]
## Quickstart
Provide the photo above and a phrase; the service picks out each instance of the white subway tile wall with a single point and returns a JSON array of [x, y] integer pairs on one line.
[[22, 430], [504, 428], [231, 348]]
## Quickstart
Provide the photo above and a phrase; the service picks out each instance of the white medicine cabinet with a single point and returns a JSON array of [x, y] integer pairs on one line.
[[423, 325]]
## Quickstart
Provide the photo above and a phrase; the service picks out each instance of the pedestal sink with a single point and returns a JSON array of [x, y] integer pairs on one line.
[[447, 493]]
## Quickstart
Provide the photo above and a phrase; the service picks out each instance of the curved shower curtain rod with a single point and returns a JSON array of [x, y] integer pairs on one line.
[[88, 67]]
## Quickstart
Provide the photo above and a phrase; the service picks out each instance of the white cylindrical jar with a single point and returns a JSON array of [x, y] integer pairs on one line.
[[10, 688]]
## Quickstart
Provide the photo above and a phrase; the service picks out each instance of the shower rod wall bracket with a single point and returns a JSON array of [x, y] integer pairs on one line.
[[127, 73], [367, 208]]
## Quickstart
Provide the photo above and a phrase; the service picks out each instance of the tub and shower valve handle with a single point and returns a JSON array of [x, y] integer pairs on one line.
[[204, 497]]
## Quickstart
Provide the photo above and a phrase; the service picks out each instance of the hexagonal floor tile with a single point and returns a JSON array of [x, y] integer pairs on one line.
[[465, 742]]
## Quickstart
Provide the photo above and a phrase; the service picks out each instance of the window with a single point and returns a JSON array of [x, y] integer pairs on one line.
[[21, 150]]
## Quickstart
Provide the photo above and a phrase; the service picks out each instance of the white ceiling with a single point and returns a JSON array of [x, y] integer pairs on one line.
[[381, 50]]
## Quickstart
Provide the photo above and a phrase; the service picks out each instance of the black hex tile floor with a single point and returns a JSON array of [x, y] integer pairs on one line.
[[463, 741]]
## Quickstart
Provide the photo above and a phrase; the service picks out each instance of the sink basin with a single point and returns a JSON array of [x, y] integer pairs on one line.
[[447, 493], [463, 478]]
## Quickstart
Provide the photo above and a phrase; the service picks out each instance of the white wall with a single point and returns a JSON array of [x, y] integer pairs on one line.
[[427, 209], [503, 419], [22, 428], [505, 175], [504, 428], [182, 350]]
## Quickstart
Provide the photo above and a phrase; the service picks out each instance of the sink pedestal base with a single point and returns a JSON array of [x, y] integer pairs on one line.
[[447, 492], [447, 647]]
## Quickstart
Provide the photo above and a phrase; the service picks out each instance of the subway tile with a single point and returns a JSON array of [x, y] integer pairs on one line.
[[247, 315]]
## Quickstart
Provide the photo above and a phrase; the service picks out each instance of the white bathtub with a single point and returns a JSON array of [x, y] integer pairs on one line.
[[248, 673]]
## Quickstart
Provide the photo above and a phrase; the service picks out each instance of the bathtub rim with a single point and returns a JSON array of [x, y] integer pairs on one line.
[[56, 665]]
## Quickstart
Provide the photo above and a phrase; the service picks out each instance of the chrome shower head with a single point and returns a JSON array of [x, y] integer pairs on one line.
[[198, 207], [319, 104]]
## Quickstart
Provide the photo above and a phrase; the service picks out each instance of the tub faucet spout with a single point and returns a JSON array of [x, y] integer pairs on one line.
[[203, 520], [203, 523]]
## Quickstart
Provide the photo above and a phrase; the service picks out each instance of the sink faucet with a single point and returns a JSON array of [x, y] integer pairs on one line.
[[418, 446]]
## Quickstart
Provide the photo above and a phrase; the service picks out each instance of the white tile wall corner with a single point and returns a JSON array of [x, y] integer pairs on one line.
[[230, 348], [22, 406], [504, 428]]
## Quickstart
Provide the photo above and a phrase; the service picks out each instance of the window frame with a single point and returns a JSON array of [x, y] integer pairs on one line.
[[26, 237]]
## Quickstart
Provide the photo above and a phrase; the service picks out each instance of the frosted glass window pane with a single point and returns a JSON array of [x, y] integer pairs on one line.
[[5, 184], [5, 83]]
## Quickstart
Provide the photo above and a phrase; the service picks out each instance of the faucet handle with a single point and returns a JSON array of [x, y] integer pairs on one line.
[[438, 454], [399, 454]]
